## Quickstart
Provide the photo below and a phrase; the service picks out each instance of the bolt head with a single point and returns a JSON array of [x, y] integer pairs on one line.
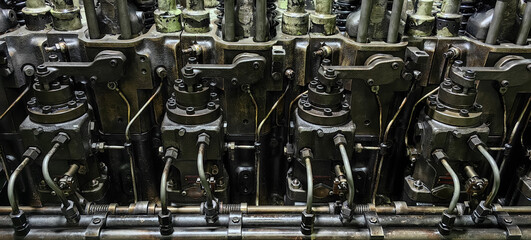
[[190, 110], [327, 111]]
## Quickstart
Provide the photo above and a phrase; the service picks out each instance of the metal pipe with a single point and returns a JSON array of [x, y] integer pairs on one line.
[[202, 176], [15, 102], [46, 174], [495, 25], [123, 19], [309, 180], [394, 24], [92, 19], [495, 172], [399, 208], [363, 26], [229, 26], [457, 186], [128, 139], [11, 195], [261, 21], [525, 26], [163, 183], [350, 177], [470, 172], [514, 131]]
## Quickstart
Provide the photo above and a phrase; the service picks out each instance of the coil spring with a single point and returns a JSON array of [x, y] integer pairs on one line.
[[467, 9], [95, 208], [228, 208], [342, 8], [361, 208], [220, 13], [272, 14]]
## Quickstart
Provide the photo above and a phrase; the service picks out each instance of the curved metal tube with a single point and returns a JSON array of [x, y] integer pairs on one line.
[[11, 186], [457, 186], [496, 175], [309, 190], [350, 177], [46, 174], [202, 176], [163, 182]]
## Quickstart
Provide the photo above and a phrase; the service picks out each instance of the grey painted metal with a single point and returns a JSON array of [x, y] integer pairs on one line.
[[394, 24], [495, 25]]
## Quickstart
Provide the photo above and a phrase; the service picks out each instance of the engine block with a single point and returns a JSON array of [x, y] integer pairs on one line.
[[264, 119]]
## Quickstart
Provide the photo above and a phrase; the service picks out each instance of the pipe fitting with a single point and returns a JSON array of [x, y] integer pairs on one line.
[[32, 153], [474, 142], [166, 223], [203, 138], [480, 214], [447, 223], [20, 223], [340, 139], [71, 213], [211, 211], [307, 222], [61, 138]]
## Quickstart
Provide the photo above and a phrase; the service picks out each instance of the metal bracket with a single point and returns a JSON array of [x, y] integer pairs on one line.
[[506, 221], [375, 229], [95, 226], [235, 225]]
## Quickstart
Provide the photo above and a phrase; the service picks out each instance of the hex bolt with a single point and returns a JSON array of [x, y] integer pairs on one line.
[[507, 220], [394, 66], [213, 96], [211, 105], [181, 87], [505, 83], [432, 97], [345, 106], [42, 69], [235, 219], [190, 110], [161, 72], [46, 109], [440, 107], [80, 94], [478, 107], [373, 220], [192, 60], [234, 81], [72, 104], [256, 65], [304, 96], [313, 84], [458, 63], [370, 82], [327, 111], [172, 104], [320, 88], [457, 89], [188, 70], [53, 58], [330, 72], [32, 103], [325, 62], [447, 83], [470, 74], [463, 112], [96, 220], [28, 70], [113, 63], [307, 106]]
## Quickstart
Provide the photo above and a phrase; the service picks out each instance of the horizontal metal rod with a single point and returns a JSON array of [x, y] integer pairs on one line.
[[268, 233], [387, 209], [259, 220]]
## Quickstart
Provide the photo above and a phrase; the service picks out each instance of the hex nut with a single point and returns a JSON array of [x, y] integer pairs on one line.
[[172, 153], [340, 139], [439, 155], [203, 138], [20, 223], [306, 153], [31, 153], [71, 213], [447, 223], [474, 142], [61, 138]]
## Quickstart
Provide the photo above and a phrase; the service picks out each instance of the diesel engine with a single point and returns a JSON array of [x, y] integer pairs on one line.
[[265, 119]]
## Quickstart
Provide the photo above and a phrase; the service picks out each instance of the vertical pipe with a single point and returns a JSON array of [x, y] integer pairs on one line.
[[12, 196], [350, 177], [496, 175], [457, 186], [309, 182], [261, 21], [123, 18], [495, 25], [202, 175], [229, 25], [92, 20], [525, 27], [163, 182], [48, 179], [363, 27], [394, 24]]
